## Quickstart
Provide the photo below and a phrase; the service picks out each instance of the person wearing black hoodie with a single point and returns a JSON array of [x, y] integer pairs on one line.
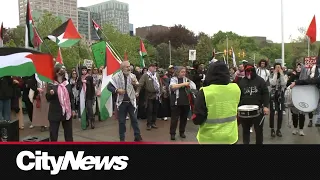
[[215, 108], [254, 91]]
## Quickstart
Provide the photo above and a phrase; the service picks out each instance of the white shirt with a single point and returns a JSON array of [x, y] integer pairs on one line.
[[264, 73]]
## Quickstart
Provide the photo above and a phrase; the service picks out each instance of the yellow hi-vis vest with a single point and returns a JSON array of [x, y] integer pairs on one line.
[[221, 126]]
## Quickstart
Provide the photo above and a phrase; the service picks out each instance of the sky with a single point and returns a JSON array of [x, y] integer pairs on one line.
[[244, 17]]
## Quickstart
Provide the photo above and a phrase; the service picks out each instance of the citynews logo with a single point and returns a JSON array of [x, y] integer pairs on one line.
[[42, 161]]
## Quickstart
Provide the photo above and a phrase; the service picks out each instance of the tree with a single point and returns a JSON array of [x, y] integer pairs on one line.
[[204, 49], [17, 35], [181, 56], [177, 35], [125, 43], [222, 36], [10, 43], [163, 56]]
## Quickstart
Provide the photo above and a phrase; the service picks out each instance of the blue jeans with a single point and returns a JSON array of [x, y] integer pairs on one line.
[[5, 110], [124, 109]]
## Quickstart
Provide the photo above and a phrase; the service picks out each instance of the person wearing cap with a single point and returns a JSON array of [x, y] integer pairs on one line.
[[61, 107], [216, 106], [254, 91], [123, 83], [87, 93], [152, 85]]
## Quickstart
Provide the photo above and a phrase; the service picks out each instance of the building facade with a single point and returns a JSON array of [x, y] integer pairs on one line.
[[113, 12], [131, 30], [85, 26], [60, 8], [144, 31]]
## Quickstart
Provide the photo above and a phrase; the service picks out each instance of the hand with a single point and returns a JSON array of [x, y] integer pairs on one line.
[[51, 92], [121, 91], [294, 73], [40, 90], [15, 81], [134, 82], [186, 83], [137, 94], [292, 84], [280, 71], [73, 113], [84, 81], [265, 111]]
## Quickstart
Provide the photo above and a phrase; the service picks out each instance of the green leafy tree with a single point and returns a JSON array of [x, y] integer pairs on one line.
[[10, 43], [204, 49]]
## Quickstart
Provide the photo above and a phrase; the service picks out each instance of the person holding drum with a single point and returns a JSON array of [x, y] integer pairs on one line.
[[278, 85], [294, 80], [253, 104], [215, 107]]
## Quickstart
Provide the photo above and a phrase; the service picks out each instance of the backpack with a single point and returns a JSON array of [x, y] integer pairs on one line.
[[268, 75]]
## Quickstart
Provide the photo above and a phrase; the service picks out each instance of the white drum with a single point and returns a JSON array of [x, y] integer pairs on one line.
[[305, 98], [248, 111]]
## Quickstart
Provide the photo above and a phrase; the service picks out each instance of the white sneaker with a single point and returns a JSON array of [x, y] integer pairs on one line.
[[284, 112], [165, 119], [301, 132], [127, 118], [31, 126], [251, 130], [295, 131]]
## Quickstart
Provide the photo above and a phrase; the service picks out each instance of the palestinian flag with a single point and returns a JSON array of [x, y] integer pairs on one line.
[[1, 35], [26, 62], [97, 28], [32, 37], [59, 57], [113, 66], [143, 53], [65, 35]]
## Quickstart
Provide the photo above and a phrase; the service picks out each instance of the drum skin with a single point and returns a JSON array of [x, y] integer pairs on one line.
[[248, 111], [305, 98]]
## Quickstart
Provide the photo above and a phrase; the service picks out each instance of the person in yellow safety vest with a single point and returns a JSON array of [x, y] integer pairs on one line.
[[216, 107]]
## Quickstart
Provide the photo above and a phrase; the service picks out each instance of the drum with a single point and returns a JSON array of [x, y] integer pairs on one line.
[[248, 111], [305, 98]]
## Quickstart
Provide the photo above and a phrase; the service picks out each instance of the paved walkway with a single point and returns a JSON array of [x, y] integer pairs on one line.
[[108, 131]]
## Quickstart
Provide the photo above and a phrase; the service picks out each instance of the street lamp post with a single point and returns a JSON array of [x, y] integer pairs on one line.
[[227, 49], [170, 52], [282, 33]]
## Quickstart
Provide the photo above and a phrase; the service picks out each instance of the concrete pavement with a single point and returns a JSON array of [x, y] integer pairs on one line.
[[108, 131]]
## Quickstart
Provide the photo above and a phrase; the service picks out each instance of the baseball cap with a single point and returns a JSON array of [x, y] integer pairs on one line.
[[171, 66]]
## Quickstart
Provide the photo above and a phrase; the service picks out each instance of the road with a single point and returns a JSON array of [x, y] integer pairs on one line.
[[108, 131]]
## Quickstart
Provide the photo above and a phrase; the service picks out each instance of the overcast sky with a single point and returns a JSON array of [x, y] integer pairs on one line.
[[245, 17]]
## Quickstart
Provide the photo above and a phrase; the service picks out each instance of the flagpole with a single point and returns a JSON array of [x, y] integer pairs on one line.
[[110, 44], [170, 51], [42, 41], [308, 46], [118, 59], [282, 33]]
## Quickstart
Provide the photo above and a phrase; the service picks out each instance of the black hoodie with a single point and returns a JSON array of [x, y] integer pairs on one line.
[[218, 73], [254, 91]]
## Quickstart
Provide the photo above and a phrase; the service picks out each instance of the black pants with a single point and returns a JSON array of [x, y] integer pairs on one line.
[[276, 107], [54, 130], [298, 119], [311, 116], [179, 112], [152, 111], [124, 109], [247, 124], [29, 107], [89, 109]]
